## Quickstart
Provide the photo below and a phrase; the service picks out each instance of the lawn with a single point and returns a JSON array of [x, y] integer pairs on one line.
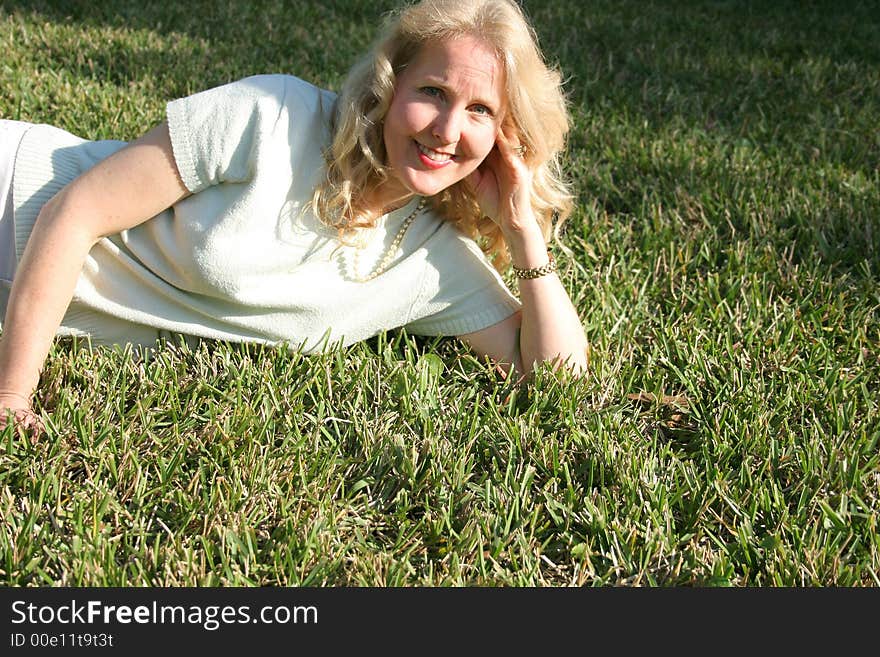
[[724, 256]]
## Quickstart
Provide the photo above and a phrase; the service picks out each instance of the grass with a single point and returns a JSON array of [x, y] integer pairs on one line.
[[724, 257]]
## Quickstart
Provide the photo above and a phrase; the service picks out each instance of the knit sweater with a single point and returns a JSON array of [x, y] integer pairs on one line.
[[243, 258]]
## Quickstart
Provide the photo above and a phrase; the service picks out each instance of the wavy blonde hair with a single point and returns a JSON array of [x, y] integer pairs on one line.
[[536, 108]]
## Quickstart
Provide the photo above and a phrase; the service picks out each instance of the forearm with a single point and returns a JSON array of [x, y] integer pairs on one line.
[[551, 330], [41, 292]]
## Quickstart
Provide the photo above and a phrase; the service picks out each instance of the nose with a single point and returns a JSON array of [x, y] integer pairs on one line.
[[447, 126]]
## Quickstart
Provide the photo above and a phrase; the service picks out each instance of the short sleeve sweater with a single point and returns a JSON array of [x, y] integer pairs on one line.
[[243, 258]]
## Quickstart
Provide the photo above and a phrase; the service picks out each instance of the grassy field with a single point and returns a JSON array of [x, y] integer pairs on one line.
[[724, 256]]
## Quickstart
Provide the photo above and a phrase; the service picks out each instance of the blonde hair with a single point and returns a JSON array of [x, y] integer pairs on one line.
[[536, 108]]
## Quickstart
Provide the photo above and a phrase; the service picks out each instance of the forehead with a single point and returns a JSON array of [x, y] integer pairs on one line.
[[466, 62]]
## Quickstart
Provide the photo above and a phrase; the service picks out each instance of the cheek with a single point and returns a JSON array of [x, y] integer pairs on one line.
[[406, 110], [483, 143], [414, 116], [401, 123], [391, 134]]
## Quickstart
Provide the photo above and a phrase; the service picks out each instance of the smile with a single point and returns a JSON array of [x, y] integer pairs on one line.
[[432, 158]]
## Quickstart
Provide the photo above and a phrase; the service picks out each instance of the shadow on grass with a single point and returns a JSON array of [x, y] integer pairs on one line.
[[735, 66], [213, 41], [751, 119]]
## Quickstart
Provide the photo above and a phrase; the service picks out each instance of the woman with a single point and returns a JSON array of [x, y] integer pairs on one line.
[[268, 210]]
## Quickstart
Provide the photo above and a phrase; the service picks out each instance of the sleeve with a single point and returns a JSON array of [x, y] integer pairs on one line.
[[461, 291], [215, 133]]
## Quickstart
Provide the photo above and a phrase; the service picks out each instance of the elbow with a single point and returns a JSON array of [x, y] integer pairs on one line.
[[572, 365], [577, 367], [574, 362], [63, 218]]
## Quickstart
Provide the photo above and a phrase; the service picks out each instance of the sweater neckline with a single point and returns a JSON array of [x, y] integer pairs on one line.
[[403, 210]]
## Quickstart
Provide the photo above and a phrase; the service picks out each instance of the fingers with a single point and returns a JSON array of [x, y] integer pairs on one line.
[[510, 145], [22, 418], [33, 423]]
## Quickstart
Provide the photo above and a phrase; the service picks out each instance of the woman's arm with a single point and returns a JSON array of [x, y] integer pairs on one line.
[[132, 185], [547, 329]]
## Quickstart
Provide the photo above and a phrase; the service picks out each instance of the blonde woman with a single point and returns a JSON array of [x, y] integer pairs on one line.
[[272, 211]]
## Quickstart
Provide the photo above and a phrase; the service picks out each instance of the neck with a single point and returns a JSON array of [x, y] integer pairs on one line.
[[386, 198]]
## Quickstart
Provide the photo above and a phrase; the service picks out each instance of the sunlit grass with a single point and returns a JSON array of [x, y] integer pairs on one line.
[[723, 256]]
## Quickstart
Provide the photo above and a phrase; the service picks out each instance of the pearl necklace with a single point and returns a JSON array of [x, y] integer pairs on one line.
[[389, 254]]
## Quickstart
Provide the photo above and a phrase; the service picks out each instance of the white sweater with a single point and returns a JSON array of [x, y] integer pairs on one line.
[[241, 259]]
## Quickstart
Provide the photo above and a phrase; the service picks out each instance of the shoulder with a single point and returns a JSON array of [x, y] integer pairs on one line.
[[268, 95], [278, 86], [278, 83]]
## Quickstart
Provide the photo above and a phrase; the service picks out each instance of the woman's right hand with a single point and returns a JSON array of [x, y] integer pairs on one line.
[[17, 409]]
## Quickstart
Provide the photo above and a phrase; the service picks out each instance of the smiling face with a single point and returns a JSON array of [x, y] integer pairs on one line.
[[445, 114]]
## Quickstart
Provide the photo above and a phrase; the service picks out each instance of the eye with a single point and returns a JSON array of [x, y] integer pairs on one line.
[[434, 92], [482, 110]]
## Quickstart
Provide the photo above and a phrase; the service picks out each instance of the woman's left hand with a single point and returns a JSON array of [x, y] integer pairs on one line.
[[502, 184]]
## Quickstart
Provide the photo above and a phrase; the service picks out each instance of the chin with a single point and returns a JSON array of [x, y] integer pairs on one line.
[[430, 186]]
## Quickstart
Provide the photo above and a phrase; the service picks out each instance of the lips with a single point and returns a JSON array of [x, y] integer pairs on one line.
[[431, 158]]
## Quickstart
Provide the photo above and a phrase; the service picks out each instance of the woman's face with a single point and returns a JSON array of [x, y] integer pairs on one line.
[[444, 117]]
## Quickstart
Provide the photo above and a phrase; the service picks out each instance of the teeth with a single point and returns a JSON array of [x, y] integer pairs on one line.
[[434, 156]]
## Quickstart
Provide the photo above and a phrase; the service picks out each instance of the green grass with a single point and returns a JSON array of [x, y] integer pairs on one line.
[[725, 254]]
